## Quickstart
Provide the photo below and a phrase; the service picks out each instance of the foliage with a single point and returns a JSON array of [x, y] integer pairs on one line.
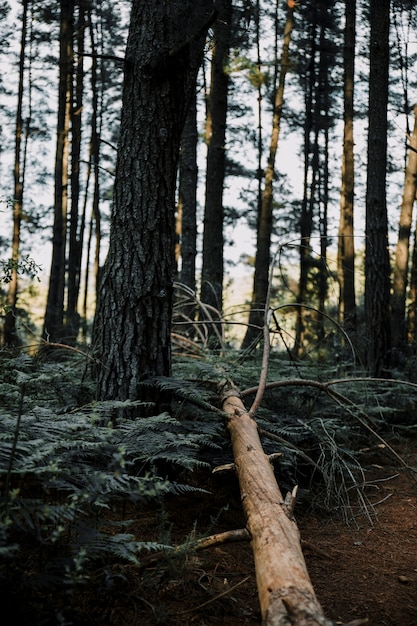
[[25, 265], [70, 467], [67, 473]]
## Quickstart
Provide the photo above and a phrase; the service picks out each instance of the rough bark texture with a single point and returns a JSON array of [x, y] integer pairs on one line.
[[377, 265], [133, 318], [286, 594]]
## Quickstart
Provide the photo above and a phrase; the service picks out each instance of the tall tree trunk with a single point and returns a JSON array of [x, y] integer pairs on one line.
[[94, 169], [402, 254], [346, 242], [324, 122], [212, 266], [377, 264], [186, 223], [265, 217], [309, 192], [187, 200], [133, 316], [323, 273], [54, 315], [10, 336], [75, 227], [412, 308]]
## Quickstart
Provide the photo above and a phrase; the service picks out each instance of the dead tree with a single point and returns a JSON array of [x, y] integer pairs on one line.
[[286, 594]]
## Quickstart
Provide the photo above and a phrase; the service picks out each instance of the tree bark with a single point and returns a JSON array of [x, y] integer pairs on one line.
[[187, 198], [10, 336], [212, 265], [265, 217], [76, 226], [402, 252], [54, 314], [286, 595], [133, 316], [311, 158], [377, 263], [346, 242]]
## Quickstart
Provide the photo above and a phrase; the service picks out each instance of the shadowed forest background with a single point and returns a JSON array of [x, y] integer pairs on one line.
[[195, 193]]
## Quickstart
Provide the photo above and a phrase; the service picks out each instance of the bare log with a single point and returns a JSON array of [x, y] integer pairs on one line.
[[286, 594]]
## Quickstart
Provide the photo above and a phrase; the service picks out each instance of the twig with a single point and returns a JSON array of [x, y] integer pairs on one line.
[[229, 536], [220, 595], [267, 345], [52, 344]]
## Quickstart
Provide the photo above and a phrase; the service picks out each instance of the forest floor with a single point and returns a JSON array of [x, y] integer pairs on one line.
[[364, 569]]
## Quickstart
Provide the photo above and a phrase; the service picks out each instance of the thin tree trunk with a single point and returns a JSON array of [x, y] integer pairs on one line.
[[10, 336], [75, 227], [346, 242], [212, 264], [306, 217], [265, 217], [93, 168], [54, 315], [402, 254], [377, 263], [187, 200], [324, 121], [412, 308]]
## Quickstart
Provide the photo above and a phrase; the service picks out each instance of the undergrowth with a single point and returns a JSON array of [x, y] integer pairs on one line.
[[73, 470]]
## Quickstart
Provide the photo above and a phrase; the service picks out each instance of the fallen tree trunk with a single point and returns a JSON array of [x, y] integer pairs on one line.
[[286, 595]]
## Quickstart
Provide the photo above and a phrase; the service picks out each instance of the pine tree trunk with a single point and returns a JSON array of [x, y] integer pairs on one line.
[[92, 171], [402, 252], [309, 191], [10, 336], [54, 315], [346, 242], [213, 241], [187, 200], [72, 321], [265, 217], [377, 264], [133, 316]]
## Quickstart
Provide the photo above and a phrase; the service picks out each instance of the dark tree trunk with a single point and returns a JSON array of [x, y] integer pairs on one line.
[[212, 268], [377, 264], [307, 206], [54, 315], [133, 317], [346, 243], [93, 170], [187, 201], [75, 226]]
